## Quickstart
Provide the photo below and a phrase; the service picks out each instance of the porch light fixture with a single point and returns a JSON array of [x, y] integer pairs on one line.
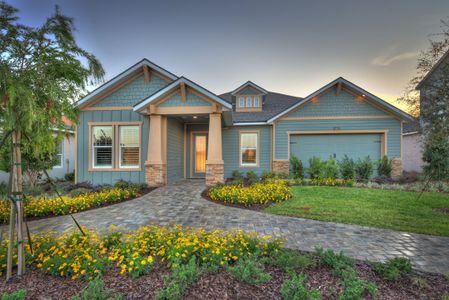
[[195, 117]]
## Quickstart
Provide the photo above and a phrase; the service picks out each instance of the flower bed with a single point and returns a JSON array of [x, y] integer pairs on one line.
[[76, 256], [40, 207], [259, 193]]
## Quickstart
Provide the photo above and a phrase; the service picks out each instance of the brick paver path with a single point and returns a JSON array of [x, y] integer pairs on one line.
[[181, 203]]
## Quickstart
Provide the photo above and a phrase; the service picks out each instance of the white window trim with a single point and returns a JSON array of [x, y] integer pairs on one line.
[[240, 101], [61, 155], [250, 165], [254, 101], [250, 101], [120, 148], [95, 147]]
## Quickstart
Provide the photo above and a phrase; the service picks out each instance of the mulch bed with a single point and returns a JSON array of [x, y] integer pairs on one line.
[[141, 193], [222, 285]]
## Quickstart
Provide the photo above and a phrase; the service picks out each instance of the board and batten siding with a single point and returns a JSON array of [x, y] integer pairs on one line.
[[108, 177], [231, 149], [175, 150]]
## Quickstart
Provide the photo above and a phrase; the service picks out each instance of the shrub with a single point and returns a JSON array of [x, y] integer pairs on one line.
[[41, 207], [69, 176], [315, 168], [436, 156], [250, 271], [330, 168], [364, 168], [332, 182], [252, 177], [282, 175], [294, 289], [259, 193], [355, 288], [237, 175], [96, 290], [267, 176], [78, 192], [393, 269], [384, 167], [347, 168], [179, 280], [17, 295], [296, 167], [122, 184], [338, 262], [290, 260]]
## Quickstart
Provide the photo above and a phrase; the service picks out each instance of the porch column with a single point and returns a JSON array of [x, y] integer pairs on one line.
[[155, 166], [214, 162]]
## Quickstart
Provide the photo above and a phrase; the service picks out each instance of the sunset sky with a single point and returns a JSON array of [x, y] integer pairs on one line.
[[292, 47]]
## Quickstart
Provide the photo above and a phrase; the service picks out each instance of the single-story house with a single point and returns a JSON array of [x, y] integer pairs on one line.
[[65, 155], [149, 125]]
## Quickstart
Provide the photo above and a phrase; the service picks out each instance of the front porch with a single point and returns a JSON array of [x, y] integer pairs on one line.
[[185, 135]]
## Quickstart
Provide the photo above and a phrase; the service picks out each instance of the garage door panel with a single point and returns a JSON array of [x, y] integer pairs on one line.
[[337, 145]]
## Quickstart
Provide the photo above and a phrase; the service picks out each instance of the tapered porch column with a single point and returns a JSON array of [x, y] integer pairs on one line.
[[214, 162], [156, 166]]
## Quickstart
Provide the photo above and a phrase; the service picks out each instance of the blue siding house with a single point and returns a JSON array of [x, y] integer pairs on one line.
[[148, 125]]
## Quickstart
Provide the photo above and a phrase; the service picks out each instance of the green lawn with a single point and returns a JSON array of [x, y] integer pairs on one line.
[[378, 208]]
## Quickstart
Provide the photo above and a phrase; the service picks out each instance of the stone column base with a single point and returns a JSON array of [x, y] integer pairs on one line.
[[155, 174], [214, 173], [281, 166], [396, 167]]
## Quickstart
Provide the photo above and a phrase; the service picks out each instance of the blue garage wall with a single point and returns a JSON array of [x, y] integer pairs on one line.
[[392, 125], [175, 150], [108, 177], [231, 149]]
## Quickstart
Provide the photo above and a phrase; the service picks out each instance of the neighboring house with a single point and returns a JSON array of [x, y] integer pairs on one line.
[[412, 138], [149, 125], [65, 155]]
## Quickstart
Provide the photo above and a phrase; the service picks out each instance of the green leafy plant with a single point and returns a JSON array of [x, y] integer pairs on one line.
[[282, 175], [330, 169], [347, 168], [69, 176], [96, 290], [179, 280], [393, 269], [78, 192], [267, 176], [252, 177], [364, 168], [315, 169], [384, 166], [296, 167], [294, 289], [337, 261], [290, 260], [17, 295], [436, 155], [250, 271], [355, 288]]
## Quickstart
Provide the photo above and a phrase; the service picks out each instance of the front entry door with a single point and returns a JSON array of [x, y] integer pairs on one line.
[[199, 154]]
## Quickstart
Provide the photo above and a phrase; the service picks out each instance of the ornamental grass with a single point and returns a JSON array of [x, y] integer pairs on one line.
[[75, 256], [259, 193], [42, 207]]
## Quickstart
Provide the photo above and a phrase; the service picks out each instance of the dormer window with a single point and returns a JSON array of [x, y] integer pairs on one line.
[[241, 101], [256, 101], [248, 101], [249, 97]]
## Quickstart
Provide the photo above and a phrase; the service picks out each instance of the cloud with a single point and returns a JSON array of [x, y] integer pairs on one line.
[[386, 60]]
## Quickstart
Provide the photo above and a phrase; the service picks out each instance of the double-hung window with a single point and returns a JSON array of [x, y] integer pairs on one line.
[[102, 146], [249, 155], [256, 101], [242, 101], [129, 151], [59, 156], [248, 101]]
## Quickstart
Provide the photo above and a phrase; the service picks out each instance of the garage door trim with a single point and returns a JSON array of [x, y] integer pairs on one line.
[[383, 139]]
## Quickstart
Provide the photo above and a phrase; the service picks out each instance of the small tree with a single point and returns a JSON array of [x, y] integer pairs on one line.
[[330, 168], [364, 168], [297, 167], [41, 75], [384, 168], [347, 168]]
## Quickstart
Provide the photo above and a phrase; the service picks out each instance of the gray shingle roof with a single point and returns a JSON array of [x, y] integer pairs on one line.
[[273, 104]]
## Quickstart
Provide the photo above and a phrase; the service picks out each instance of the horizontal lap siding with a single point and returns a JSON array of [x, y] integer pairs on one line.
[[106, 177], [231, 150], [392, 125], [191, 100], [175, 150]]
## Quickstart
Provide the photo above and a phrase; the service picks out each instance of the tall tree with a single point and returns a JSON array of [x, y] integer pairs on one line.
[[42, 72], [433, 105]]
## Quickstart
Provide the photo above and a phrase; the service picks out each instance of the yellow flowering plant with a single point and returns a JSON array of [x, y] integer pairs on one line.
[[259, 193], [41, 207]]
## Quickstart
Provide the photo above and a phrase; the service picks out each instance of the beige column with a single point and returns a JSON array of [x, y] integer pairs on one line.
[[214, 162], [155, 166]]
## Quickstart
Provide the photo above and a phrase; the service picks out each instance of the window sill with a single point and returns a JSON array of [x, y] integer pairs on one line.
[[114, 169]]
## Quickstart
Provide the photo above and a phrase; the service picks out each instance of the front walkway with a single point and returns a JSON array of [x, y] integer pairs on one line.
[[181, 203]]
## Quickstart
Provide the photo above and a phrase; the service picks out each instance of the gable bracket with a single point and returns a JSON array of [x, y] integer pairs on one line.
[[338, 89], [146, 73], [183, 92]]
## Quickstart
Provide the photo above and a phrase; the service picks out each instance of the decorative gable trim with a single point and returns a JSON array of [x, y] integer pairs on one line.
[[131, 72], [358, 90], [251, 84], [174, 85]]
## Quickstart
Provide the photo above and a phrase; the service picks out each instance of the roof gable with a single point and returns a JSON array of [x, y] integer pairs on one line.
[[339, 83], [248, 85], [444, 58], [125, 77]]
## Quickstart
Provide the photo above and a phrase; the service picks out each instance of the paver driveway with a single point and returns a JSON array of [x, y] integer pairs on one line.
[[181, 203]]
